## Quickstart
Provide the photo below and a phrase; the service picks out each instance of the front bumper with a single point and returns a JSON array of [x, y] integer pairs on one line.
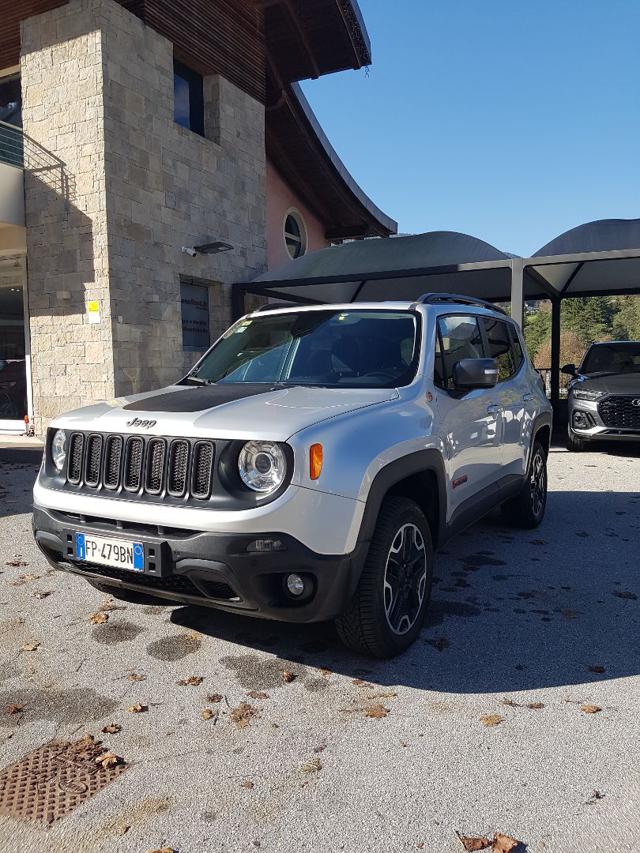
[[586, 423], [210, 569]]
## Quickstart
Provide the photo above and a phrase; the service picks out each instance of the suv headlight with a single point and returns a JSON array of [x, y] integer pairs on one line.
[[59, 449], [262, 466], [583, 394]]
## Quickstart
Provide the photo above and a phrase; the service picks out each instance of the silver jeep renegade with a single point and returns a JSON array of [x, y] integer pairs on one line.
[[306, 467]]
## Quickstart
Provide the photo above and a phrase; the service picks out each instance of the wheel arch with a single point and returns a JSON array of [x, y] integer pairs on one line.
[[419, 476]]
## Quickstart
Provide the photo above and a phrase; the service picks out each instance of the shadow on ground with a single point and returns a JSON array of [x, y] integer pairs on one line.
[[511, 610]]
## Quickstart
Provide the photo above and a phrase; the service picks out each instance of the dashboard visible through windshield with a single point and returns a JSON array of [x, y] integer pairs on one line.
[[335, 349]]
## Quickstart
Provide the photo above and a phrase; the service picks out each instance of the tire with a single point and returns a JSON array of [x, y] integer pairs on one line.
[[575, 444], [131, 596], [527, 509], [372, 624]]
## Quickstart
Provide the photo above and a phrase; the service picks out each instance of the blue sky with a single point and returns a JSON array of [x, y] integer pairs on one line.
[[508, 120]]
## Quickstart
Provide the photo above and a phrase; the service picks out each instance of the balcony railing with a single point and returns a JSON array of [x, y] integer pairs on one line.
[[11, 145]]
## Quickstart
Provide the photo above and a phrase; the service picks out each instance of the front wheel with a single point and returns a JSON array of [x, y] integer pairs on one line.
[[386, 612], [574, 443], [526, 510]]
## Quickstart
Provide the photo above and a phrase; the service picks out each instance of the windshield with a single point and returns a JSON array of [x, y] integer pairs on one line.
[[341, 349], [613, 358]]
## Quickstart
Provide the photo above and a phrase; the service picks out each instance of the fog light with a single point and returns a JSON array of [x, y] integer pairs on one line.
[[295, 585], [581, 420], [263, 546]]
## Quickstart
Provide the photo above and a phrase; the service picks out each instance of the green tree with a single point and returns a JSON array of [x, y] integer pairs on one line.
[[537, 328], [626, 321], [590, 318]]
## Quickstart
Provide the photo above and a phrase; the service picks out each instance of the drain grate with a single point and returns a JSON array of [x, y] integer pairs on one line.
[[54, 779]]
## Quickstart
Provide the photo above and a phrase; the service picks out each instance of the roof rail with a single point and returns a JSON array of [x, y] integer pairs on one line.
[[273, 306], [435, 298]]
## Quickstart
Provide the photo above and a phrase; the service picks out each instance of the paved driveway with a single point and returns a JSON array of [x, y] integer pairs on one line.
[[352, 754]]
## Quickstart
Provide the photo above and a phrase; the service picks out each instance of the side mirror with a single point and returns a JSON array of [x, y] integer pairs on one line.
[[569, 369], [475, 373]]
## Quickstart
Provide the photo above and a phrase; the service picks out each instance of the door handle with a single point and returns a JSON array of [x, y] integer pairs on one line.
[[494, 409]]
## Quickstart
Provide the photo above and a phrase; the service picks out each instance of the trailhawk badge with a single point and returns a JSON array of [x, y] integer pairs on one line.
[[137, 422]]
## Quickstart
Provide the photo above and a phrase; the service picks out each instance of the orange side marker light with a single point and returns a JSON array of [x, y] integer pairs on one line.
[[315, 461]]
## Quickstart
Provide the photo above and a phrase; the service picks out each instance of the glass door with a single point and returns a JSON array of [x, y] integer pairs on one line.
[[14, 363]]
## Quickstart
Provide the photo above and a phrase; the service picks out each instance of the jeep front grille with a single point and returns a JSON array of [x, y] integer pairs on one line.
[[141, 465], [620, 413]]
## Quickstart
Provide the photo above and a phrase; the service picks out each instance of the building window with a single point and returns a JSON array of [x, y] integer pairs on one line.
[[188, 98], [11, 100], [194, 301], [295, 234]]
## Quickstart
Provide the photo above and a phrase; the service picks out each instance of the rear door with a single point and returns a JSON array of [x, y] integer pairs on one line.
[[469, 422], [512, 393]]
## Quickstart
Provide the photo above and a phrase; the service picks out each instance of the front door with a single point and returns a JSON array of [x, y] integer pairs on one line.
[[470, 422], [14, 402]]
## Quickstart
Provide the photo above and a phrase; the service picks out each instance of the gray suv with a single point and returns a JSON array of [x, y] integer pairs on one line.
[[604, 395], [307, 466]]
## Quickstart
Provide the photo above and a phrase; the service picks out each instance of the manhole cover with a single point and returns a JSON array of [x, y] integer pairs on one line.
[[54, 779]]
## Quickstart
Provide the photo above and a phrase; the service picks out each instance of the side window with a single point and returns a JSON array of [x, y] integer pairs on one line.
[[516, 348], [499, 343], [461, 338]]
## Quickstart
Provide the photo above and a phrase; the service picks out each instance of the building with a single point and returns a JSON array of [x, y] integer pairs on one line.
[[153, 152]]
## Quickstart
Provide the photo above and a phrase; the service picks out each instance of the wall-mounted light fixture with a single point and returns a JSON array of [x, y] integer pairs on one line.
[[214, 248]]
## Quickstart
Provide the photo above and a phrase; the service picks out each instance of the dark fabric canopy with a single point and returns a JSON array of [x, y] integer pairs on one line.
[[596, 258]]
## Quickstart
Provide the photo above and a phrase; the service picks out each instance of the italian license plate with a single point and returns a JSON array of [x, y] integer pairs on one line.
[[109, 552]]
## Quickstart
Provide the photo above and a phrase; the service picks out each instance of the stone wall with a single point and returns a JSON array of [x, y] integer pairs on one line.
[[98, 95], [65, 209]]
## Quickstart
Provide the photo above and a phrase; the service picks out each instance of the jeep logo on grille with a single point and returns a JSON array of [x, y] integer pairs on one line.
[[137, 422], [636, 403]]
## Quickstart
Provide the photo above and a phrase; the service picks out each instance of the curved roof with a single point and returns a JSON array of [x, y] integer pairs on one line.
[[602, 235], [371, 258]]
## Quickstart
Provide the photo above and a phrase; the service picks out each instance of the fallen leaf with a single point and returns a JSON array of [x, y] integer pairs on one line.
[[208, 713], [510, 703], [590, 709], [474, 842], [504, 843], [134, 676], [490, 720], [137, 708], [325, 672], [535, 706], [98, 618], [242, 715], [314, 765], [14, 709], [595, 795], [257, 694], [108, 759], [248, 784], [16, 563], [597, 669], [30, 647], [288, 677], [112, 729], [377, 712], [109, 604], [215, 697], [162, 850], [192, 681], [42, 594]]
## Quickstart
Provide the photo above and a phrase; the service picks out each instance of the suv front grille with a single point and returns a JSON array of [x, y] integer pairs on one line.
[[620, 412], [141, 465]]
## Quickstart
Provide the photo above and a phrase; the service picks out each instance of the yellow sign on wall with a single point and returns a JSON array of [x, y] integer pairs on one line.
[[93, 311]]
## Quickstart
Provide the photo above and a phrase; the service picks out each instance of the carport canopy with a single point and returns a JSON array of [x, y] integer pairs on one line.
[[599, 258]]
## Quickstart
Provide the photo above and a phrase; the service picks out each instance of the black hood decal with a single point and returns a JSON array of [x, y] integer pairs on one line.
[[197, 398]]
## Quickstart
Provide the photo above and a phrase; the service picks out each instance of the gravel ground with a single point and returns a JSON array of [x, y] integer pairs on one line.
[[550, 617]]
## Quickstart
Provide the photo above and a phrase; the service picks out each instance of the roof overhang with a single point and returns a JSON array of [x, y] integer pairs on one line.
[[299, 149]]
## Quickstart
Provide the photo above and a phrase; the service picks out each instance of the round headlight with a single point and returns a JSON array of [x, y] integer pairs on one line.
[[262, 466], [59, 449]]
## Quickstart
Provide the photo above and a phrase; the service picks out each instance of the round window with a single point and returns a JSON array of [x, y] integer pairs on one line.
[[294, 235]]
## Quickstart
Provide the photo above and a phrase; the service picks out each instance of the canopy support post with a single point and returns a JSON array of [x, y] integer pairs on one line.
[[517, 291], [556, 305], [237, 301]]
